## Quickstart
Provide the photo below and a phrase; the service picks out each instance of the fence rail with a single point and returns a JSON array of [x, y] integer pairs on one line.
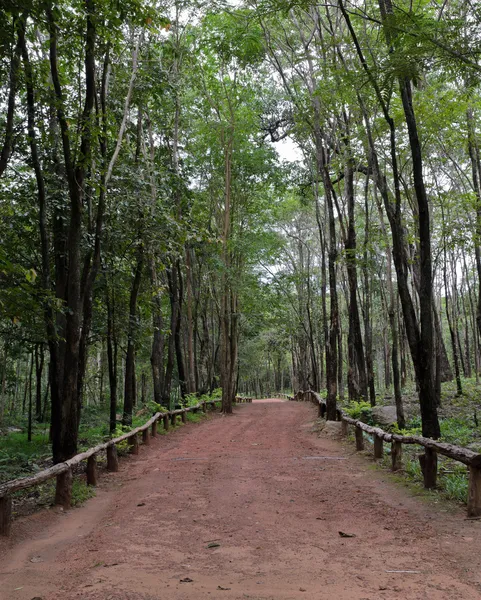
[[241, 399], [428, 460], [63, 471]]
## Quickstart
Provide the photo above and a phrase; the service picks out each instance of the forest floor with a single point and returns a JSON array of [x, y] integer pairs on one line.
[[246, 507]]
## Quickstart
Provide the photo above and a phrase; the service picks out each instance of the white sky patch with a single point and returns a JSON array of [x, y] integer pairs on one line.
[[288, 150]]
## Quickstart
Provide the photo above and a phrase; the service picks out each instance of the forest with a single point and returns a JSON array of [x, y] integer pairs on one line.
[[247, 198]]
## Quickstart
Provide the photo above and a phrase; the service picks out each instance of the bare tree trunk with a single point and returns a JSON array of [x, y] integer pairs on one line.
[[191, 388], [357, 380], [30, 399], [39, 361], [6, 149], [157, 354], [129, 386], [112, 349]]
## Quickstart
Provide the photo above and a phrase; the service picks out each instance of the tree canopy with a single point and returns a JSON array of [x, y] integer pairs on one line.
[[256, 197]]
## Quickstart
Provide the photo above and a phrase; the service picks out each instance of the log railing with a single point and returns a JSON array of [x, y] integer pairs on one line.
[[241, 399], [428, 460], [63, 472]]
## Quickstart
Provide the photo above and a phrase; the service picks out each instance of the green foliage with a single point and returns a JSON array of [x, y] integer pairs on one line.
[[413, 468], [455, 486], [457, 430], [361, 411], [19, 457], [195, 418], [413, 427], [81, 492], [194, 399]]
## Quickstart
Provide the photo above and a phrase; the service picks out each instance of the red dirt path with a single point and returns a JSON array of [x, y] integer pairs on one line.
[[245, 483]]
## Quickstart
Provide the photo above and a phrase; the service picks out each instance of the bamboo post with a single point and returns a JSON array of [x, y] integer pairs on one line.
[[134, 444], [165, 419], [154, 429], [359, 439], [429, 467], [63, 491], [184, 417], [344, 428], [5, 515], [396, 455], [92, 470], [112, 459], [378, 447], [474, 492], [146, 437]]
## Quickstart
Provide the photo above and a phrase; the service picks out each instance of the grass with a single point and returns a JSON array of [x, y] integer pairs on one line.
[[460, 422], [452, 481], [81, 492], [20, 458]]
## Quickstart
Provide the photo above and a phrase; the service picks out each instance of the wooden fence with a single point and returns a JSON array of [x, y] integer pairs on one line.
[[428, 460], [63, 471], [241, 399]]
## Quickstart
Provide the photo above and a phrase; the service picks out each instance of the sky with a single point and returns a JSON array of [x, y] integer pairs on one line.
[[288, 150]]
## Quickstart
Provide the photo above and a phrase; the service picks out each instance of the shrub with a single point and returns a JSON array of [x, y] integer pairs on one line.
[[361, 411]]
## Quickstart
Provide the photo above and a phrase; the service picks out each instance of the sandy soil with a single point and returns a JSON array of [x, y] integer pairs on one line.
[[269, 497]]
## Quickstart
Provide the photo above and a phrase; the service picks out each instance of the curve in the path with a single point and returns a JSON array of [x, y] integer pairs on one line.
[[246, 507]]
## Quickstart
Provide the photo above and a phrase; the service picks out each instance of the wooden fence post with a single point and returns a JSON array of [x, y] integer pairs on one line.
[[344, 428], [359, 439], [5, 515], [429, 467], [112, 459], [378, 447], [146, 437], [204, 407], [184, 417], [154, 428], [63, 490], [474, 492], [92, 470], [396, 455], [134, 444], [165, 420], [173, 420]]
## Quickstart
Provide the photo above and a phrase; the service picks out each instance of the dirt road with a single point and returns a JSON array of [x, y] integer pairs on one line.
[[246, 507]]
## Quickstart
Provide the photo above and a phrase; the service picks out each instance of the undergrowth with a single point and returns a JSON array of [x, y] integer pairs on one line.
[[19, 457]]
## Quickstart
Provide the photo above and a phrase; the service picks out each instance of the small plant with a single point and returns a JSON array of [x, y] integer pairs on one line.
[[361, 411], [195, 418], [456, 487], [456, 431], [413, 427], [81, 492], [413, 469], [191, 400]]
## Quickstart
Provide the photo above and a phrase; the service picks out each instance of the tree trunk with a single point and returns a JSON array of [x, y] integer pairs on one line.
[[129, 385], [157, 354], [6, 149], [357, 381], [39, 361]]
